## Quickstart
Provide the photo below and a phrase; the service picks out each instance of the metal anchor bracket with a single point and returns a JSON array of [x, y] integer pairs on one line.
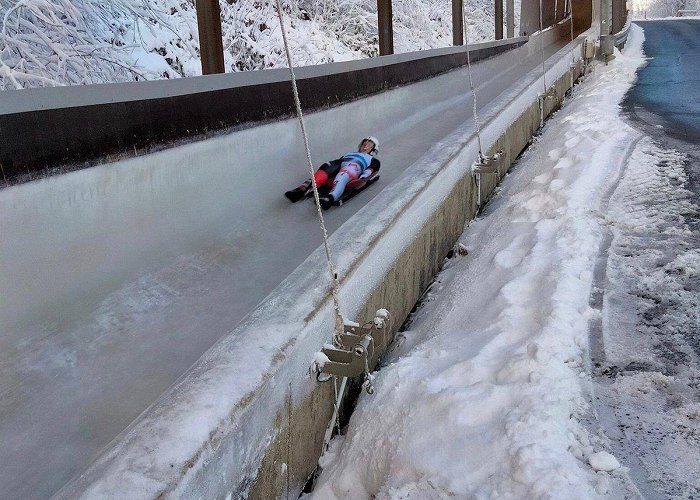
[[352, 356], [577, 67], [542, 98], [487, 165], [550, 94]]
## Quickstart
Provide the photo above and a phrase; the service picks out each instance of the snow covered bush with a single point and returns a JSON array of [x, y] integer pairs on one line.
[[353, 23], [74, 42], [47, 42], [661, 8], [667, 8]]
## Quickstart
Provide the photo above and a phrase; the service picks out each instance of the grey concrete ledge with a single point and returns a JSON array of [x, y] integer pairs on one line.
[[43, 129]]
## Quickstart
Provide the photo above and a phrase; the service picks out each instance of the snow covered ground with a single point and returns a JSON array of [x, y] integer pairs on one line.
[[490, 392]]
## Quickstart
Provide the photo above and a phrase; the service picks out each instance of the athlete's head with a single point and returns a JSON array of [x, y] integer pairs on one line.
[[369, 145]]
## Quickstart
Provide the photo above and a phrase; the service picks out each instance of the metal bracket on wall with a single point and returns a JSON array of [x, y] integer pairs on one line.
[[544, 97], [588, 49], [577, 68], [588, 52], [487, 165], [353, 360], [550, 94]]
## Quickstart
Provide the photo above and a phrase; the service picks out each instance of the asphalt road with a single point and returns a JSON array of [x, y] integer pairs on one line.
[[665, 101], [652, 310], [668, 87]]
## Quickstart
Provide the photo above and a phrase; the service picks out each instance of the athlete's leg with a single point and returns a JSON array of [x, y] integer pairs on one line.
[[321, 177], [347, 173]]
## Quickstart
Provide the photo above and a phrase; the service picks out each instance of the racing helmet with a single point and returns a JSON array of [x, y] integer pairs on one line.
[[375, 151]]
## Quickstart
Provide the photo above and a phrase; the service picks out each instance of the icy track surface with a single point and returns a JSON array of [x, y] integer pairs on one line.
[[118, 278], [489, 393]]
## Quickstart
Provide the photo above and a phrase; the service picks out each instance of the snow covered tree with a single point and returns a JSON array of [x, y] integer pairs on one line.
[[74, 42]]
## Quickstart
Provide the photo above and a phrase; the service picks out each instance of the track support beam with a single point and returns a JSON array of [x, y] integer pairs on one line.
[[498, 19], [457, 22], [211, 46], [385, 28]]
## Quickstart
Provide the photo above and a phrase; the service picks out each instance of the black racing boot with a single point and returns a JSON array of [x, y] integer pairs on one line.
[[298, 193], [326, 201]]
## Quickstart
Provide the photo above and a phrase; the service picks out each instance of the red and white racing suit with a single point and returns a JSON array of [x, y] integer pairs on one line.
[[349, 167]]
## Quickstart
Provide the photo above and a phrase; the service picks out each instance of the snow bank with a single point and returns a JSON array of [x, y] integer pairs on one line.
[[484, 394]]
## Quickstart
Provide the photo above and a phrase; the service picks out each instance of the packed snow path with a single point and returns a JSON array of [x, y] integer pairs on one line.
[[490, 392], [110, 293]]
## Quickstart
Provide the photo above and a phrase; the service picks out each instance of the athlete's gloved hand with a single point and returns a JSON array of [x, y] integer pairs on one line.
[[366, 173]]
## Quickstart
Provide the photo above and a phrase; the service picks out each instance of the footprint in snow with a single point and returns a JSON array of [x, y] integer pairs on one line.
[[555, 154], [570, 143]]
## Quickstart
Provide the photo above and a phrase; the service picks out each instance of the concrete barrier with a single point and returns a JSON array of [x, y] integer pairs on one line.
[[402, 286], [88, 124], [218, 433]]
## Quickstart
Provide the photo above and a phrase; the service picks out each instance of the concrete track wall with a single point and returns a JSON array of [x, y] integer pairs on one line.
[[268, 444], [46, 128], [399, 291]]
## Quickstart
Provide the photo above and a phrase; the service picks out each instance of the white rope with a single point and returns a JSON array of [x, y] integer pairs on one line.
[[471, 87], [471, 83], [335, 418], [544, 79], [339, 330], [338, 399], [571, 15], [573, 49]]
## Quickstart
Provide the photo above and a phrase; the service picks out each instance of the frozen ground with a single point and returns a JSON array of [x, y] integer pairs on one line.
[[648, 370], [648, 366], [490, 392]]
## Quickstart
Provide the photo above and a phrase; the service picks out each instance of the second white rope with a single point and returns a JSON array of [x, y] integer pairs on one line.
[[544, 78], [471, 83]]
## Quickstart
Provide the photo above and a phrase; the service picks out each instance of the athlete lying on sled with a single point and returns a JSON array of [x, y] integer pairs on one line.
[[352, 170]]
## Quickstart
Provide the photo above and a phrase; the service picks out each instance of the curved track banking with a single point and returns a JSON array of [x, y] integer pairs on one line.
[[116, 279]]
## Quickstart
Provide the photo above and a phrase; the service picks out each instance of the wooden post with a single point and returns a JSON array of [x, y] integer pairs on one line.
[[211, 46], [385, 27], [498, 18], [510, 18], [457, 23]]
